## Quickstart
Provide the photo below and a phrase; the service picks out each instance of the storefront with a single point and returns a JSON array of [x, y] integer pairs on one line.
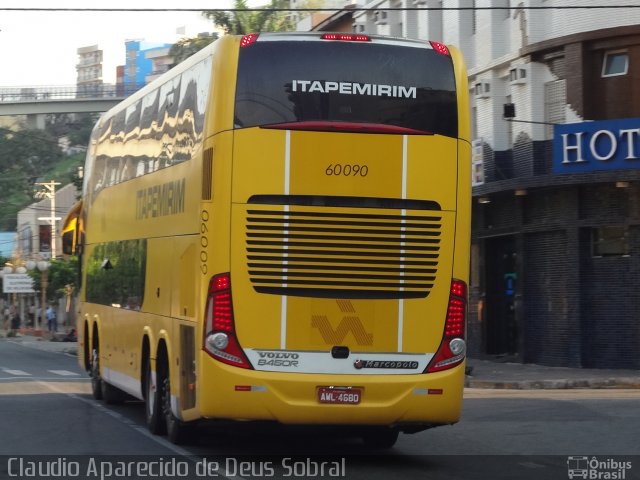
[[556, 255]]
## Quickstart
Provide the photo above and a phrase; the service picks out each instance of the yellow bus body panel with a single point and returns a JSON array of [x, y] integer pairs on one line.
[[291, 398]]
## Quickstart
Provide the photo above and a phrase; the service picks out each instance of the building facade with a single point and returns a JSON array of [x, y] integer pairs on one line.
[[555, 108], [89, 70], [140, 61], [35, 237]]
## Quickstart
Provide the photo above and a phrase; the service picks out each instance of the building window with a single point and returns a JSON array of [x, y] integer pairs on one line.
[[615, 63], [610, 241]]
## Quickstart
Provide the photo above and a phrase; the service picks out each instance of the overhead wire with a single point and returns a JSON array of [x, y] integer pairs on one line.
[[316, 9]]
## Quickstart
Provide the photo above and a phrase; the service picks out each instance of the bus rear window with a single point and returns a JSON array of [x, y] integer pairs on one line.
[[312, 82]]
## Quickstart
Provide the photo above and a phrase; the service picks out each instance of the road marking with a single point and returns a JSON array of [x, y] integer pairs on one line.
[[39, 388], [17, 373], [64, 373]]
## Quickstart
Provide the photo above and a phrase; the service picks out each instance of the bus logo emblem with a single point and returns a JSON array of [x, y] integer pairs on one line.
[[348, 323]]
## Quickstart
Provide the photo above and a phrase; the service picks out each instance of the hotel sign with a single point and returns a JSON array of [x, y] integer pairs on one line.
[[595, 146]]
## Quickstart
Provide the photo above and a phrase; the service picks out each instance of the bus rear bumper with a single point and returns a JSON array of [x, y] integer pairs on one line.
[[410, 402]]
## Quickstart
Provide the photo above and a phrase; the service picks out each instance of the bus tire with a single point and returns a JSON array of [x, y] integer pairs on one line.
[[153, 404], [382, 437], [112, 395], [94, 372], [178, 432]]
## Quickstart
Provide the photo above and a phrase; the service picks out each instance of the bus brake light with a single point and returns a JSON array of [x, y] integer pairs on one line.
[[220, 339], [453, 346]]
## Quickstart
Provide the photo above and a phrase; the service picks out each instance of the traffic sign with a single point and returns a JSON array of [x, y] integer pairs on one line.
[[17, 283]]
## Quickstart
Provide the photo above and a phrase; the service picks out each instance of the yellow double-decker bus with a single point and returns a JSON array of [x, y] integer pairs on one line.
[[278, 229]]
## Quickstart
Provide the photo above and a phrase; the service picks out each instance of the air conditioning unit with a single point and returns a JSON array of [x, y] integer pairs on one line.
[[482, 89], [519, 74], [380, 17]]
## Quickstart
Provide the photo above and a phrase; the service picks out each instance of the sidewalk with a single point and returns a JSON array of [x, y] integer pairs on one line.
[[41, 341], [490, 374]]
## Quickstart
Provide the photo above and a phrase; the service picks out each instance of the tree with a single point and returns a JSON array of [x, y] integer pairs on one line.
[[242, 20], [24, 155], [76, 127], [60, 275], [186, 47]]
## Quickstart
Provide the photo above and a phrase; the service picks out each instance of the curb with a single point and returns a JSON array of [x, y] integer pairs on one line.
[[560, 384]]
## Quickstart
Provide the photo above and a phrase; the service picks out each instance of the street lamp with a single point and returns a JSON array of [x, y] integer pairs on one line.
[[43, 266]]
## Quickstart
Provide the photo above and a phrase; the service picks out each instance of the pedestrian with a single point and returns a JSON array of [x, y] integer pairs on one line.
[[31, 316], [51, 320], [15, 322], [6, 318]]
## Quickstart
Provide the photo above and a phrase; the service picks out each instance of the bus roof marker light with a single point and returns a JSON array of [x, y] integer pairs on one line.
[[440, 48], [249, 39], [346, 37]]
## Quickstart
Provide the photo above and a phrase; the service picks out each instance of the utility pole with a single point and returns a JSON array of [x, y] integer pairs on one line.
[[50, 192]]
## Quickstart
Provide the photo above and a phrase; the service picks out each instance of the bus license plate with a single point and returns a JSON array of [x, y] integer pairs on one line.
[[340, 396]]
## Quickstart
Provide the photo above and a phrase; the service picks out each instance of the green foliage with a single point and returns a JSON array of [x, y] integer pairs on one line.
[[243, 20], [28, 156], [186, 47], [24, 156], [60, 274]]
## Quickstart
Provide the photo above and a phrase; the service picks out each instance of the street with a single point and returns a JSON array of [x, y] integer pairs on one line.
[[46, 409]]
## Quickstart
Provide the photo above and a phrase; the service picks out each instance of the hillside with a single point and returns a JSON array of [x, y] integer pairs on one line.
[[30, 156]]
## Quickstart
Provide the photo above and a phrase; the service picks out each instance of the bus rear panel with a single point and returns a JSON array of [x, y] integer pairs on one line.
[[344, 301]]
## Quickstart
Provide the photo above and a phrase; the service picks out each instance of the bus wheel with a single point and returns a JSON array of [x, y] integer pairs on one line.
[[153, 404], [382, 437], [96, 380], [177, 432], [112, 395]]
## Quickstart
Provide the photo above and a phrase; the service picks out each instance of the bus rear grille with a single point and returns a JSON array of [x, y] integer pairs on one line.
[[327, 253]]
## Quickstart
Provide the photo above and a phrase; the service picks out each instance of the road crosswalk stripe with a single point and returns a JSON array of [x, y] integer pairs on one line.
[[64, 373], [19, 373]]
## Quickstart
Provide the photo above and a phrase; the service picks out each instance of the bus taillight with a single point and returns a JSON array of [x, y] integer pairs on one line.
[[220, 339], [453, 346]]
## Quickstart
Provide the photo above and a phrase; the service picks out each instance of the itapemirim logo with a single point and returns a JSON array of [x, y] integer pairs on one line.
[[594, 468]]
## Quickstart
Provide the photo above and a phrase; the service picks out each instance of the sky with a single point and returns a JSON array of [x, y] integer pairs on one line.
[[40, 48]]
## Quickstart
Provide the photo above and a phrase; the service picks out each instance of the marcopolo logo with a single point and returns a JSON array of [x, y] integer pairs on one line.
[[595, 468]]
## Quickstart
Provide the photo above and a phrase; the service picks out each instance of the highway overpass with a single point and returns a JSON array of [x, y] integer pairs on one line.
[[37, 101]]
